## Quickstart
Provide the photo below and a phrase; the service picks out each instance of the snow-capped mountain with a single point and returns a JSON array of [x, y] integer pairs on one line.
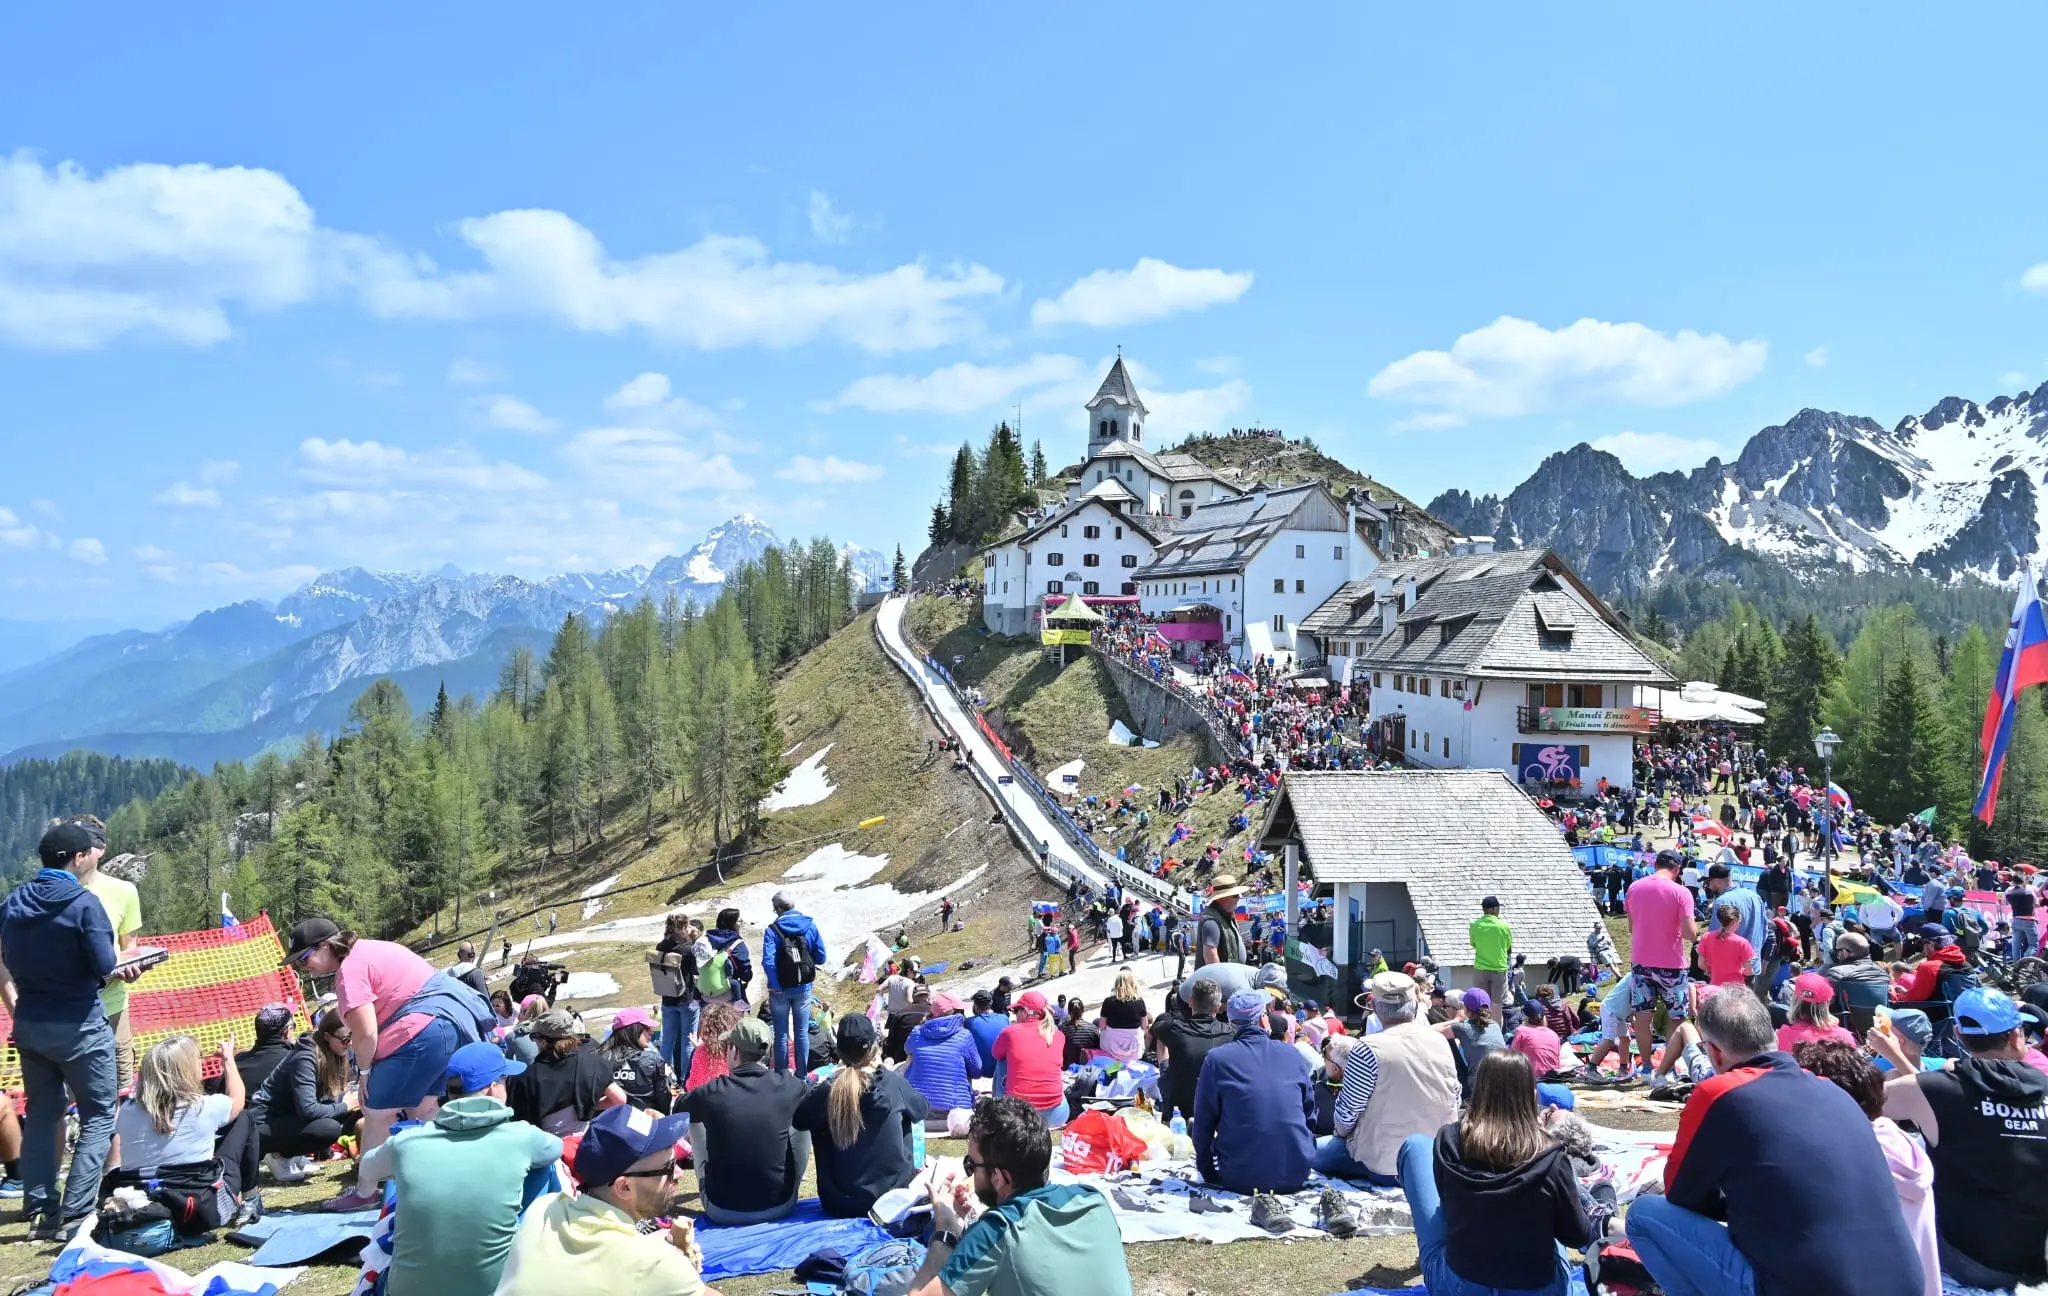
[[871, 567], [1958, 491], [742, 539]]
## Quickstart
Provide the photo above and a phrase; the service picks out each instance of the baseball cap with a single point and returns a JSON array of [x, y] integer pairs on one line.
[[556, 1023], [1491, 902], [1388, 987], [631, 1017], [1718, 871], [306, 935], [1981, 1010], [1813, 988], [62, 842], [751, 1036], [1670, 859], [1934, 932], [621, 1136], [943, 1003], [1475, 999], [1031, 1001], [480, 1065], [854, 1034], [1246, 1006], [1913, 1024]]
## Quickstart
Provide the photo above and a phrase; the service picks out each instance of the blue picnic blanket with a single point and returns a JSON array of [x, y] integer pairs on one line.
[[1577, 1287], [734, 1251], [294, 1237]]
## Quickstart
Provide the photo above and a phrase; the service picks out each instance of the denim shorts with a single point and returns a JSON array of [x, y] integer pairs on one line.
[[417, 1069]]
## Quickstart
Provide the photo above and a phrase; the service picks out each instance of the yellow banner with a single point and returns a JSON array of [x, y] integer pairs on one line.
[[1081, 637]]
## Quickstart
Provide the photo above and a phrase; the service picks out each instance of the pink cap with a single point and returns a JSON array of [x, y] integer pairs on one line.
[[1813, 988], [943, 1003], [625, 1017]]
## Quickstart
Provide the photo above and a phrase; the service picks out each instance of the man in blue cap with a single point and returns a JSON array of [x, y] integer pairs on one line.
[[591, 1241], [1985, 1120], [461, 1181], [1254, 1109]]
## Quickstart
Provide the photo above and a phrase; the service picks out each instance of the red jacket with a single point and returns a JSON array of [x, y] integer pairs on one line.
[[1925, 984]]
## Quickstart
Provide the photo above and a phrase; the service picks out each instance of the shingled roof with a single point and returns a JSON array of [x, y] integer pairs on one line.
[[1117, 386], [1224, 535], [1452, 837], [1520, 613]]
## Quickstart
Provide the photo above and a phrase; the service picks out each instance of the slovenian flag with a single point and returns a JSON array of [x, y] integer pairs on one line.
[[1237, 673], [2023, 664], [227, 915], [1837, 797]]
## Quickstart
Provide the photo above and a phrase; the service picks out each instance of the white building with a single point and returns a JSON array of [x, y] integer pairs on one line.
[[1093, 546], [1494, 660]]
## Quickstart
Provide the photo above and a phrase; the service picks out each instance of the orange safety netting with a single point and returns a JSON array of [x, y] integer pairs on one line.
[[209, 988]]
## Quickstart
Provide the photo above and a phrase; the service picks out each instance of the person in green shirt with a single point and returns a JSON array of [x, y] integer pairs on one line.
[[1492, 942], [124, 913], [461, 1181]]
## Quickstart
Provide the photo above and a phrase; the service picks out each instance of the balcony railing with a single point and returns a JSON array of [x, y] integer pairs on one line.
[[1630, 720]]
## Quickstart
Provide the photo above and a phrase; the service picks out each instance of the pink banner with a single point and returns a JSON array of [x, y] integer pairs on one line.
[[1190, 630]]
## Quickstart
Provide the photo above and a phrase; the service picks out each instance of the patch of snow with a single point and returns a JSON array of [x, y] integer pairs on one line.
[[806, 784], [1057, 777], [591, 903], [1123, 737], [702, 569], [827, 885], [1092, 983], [588, 985]]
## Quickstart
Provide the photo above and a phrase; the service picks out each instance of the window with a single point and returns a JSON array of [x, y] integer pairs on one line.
[[1091, 533], [1337, 552], [1447, 749], [1301, 587], [1301, 551], [1063, 534], [1279, 623], [1443, 689], [1119, 533], [1233, 587], [1090, 587], [1375, 679], [1129, 588], [1279, 585], [1134, 429], [1054, 587], [1411, 740], [1584, 695], [1056, 559], [1130, 560], [1006, 587], [1091, 560], [1226, 620]]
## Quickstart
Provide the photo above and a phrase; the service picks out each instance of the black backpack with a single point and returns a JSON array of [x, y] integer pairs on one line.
[[794, 965]]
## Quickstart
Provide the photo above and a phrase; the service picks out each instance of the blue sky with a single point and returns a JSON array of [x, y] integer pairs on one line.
[[525, 290]]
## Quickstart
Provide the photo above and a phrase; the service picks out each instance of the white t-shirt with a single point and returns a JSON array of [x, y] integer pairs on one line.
[[1881, 914], [1614, 1009], [191, 1138]]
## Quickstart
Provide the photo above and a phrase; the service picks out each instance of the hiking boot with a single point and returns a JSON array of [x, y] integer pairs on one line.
[[1269, 1214], [54, 1228], [1335, 1214], [1201, 1203]]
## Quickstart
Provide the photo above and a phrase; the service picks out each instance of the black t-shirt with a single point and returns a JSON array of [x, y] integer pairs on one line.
[[1082, 1040], [548, 1085], [1229, 943], [643, 1076], [2021, 902], [740, 1133], [1990, 1162], [895, 1042], [1187, 1040], [851, 1178], [1123, 1014]]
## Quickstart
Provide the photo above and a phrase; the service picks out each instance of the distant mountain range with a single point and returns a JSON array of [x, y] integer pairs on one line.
[[1959, 492], [236, 679]]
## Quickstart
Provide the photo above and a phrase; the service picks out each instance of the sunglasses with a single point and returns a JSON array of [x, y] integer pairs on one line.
[[970, 1165], [664, 1172]]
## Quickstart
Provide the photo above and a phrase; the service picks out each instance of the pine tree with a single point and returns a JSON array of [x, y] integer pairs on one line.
[[1900, 762], [1037, 463], [962, 524], [899, 575], [1799, 689], [941, 527]]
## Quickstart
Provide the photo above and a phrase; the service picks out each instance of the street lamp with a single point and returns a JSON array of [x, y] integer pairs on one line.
[[1824, 743]]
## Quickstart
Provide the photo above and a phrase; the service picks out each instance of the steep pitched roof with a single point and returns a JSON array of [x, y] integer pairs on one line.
[[1117, 386], [1148, 525], [1453, 837], [1519, 613], [1224, 535]]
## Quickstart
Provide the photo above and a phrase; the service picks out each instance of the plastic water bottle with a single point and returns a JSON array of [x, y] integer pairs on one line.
[[1179, 1125], [917, 1145]]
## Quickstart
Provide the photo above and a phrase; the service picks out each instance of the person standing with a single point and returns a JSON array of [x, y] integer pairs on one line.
[[1218, 939], [2026, 933], [1113, 928], [679, 1011], [791, 953], [57, 946], [124, 913], [1492, 942], [725, 942], [1660, 925], [468, 971], [1752, 922]]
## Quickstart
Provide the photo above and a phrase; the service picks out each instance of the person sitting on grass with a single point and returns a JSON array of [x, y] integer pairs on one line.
[[568, 1083], [943, 1060], [1811, 1017], [637, 1069], [590, 1241], [999, 1226], [306, 1105], [174, 1133], [1724, 953], [859, 1122], [1401, 1081], [1495, 1198], [1253, 1107], [707, 1063], [520, 1045], [1851, 1071], [1028, 1060], [461, 1180], [750, 1159]]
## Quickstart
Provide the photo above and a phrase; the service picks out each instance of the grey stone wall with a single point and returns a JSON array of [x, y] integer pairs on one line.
[[1158, 713]]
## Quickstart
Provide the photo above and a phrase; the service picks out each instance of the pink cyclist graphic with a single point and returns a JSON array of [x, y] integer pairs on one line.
[[1552, 764]]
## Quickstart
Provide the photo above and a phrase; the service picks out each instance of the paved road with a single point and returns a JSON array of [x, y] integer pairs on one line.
[[1024, 806]]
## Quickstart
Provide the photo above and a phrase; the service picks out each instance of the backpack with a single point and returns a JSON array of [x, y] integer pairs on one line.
[[794, 965], [671, 973], [714, 975]]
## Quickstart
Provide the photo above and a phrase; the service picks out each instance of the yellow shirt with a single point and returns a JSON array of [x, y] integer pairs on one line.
[[577, 1243], [124, 911]]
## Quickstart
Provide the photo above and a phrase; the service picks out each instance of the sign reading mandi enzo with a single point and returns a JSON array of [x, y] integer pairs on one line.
[[1589, 719]]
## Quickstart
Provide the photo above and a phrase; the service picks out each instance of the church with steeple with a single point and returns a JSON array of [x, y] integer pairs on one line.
[[1171, 485]]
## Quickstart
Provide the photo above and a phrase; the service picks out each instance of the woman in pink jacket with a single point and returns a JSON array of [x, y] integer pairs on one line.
[[1912, 1172]]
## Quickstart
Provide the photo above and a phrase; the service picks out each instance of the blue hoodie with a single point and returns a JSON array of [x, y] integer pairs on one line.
[[59, 948], [944, 1062], [791, 926]]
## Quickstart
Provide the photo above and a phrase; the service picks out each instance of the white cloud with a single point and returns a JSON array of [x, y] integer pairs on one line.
[[86, 549], [639, 392], [149, 553], [167, 252], [1150, 290], [515, 415], [16, 533], [2012, 378], [1513, 366], [215, 471], [828, 225], [828, 471], [359, 464], [650, 463], [48, 508], [227, 575], [647, 399], [1655, 451], [1817, 358], [955, 389], [185, 495], [2036, 278], [464, 372]]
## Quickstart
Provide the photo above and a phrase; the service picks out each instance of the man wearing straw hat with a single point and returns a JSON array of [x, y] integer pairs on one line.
[[1218, 939]]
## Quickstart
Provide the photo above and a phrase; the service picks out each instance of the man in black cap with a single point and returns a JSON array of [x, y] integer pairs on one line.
[[57, 947], [1493, 941]]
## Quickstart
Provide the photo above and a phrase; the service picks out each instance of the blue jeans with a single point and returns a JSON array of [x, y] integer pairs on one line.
[[1687, 1253], [678, 1023], [1418, 1183], [790, 1013], [1002, 1079], [55, 1055], [1333, 1161]]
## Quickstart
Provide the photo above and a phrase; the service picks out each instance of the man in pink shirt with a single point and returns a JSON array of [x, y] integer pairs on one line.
[[1660, 925]]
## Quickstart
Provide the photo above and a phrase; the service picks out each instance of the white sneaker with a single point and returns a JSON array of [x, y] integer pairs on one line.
[[287, 1170]]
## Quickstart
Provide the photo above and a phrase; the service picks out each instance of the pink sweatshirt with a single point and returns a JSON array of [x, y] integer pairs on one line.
[[1913, 1176]]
